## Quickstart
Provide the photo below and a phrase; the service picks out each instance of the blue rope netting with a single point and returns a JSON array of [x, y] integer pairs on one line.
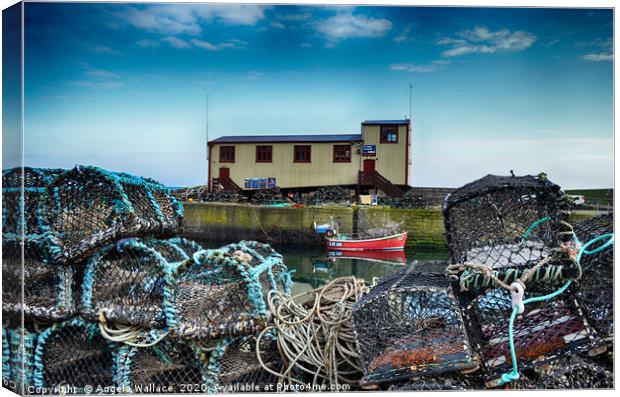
[[47, 293], [22, 348], [6, 356], [87, 207], [20, 212], [125, 282], [73, 354], [178, 365], [223, 292]]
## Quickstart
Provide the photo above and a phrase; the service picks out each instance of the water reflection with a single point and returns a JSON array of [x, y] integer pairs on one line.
[[315, 266]]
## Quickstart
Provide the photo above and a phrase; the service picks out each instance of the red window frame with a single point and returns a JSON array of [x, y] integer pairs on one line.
[[383, 132], [264, 153], [227, 154], [302, 153], [340, 154]]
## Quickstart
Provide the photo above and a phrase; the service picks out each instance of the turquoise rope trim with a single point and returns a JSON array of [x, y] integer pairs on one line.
[[214, 366], [514, 374], [534, 225], [6, 356]]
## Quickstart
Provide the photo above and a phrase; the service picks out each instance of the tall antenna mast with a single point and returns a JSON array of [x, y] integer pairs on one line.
[[410, 99], [207, 131]]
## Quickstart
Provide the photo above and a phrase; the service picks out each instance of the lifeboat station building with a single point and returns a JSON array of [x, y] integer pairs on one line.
[[378, 159]]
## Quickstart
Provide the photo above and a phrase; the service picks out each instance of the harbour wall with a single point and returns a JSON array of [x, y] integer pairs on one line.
[[222, 221], [233, 222]]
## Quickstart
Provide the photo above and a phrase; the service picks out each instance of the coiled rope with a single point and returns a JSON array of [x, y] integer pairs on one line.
[[125, 334], [316, 336]]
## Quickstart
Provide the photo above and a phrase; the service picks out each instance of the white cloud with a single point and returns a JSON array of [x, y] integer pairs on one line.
[[102, 74], [602, 50], [205, 45], [254, 75], [404, 36], [481, 40], [101, 49], [418, 68], [187, 18], [95, 85], [602, 57], [346, 25], [176, 42], [147, 43], [305, 45]]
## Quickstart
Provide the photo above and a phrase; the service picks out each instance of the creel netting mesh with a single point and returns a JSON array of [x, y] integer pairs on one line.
[[47, 287], [73, 354], [506, 226], [6, 356], [171, 365], [87, 207], [223, 292], [126, 281], [543, 332], [234, 365], [18, 346], [485, 220], [34, 182], [573, 372], [410, 325], [596, 286], [451, 381]]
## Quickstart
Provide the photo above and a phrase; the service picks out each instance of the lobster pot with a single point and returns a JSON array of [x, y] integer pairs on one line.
[[169, 366], [21, 344], [545, 331], [574, 372], [125, 281], [596, 286], [486, 220], [444, 382], [47, 288], [88, 207], [16, 221], [234, 366], [6, 357], [72, 355], [223, 292], [410, 325]]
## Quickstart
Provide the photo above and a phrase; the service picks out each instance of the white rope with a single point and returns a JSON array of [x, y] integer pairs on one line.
[[316, 336]]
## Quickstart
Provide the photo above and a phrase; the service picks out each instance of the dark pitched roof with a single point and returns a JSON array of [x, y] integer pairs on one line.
[[384, 122], [288, 138]]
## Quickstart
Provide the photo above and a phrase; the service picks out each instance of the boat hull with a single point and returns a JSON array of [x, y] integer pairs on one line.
[[394, 242]]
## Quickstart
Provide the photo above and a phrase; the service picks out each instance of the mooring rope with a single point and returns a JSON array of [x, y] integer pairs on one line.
[[316, 336]]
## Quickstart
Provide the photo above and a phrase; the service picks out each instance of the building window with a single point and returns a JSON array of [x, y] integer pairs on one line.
[[342, 153], [227, 154], [389, 134], [263, 154], [302, 153]]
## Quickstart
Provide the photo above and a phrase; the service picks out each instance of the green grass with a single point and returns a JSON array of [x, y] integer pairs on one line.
[[599, 195]]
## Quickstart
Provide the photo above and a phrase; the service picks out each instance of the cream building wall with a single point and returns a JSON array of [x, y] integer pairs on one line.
[[321, 171]]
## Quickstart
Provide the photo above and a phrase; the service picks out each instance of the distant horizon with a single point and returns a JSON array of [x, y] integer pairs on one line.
[[124, 86]]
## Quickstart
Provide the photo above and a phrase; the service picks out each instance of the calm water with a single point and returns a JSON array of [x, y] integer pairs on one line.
[[314, 267]]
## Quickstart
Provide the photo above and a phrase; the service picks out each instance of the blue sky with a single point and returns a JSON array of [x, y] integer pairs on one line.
[[123, 86]]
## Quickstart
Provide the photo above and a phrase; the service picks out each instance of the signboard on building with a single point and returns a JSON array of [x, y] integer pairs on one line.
[[259, 183], [369, 150], [271, 183]]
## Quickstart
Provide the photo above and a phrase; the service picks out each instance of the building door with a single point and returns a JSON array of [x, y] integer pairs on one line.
[[369, 167], [225, 177]]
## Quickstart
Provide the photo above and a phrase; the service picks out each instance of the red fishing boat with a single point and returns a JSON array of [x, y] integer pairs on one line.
[[394, 242]]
